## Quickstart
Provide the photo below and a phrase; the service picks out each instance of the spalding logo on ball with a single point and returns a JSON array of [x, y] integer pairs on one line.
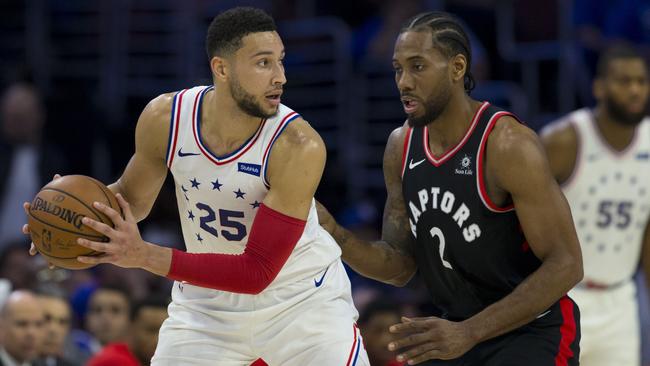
[[55, 218]]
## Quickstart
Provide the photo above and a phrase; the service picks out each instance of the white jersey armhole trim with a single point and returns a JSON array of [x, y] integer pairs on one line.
[[267, 152], [174, 126]]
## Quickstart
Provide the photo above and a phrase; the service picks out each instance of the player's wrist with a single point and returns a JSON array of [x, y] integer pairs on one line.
[[156, 259], [475, 332]]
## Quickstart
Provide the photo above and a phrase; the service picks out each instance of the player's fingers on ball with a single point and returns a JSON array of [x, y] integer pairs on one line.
[[32, 249], [108, 211], [100, 227], [126, 208], [25, 229], [56, 176], [97, 259], [50, 265], [100, 247], [89, 260], [26, 207]]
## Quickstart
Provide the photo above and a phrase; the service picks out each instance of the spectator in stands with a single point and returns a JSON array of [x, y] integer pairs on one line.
[[147, 316], [56, 326], [22, 116], [139, 346], [107, 317], [16, 265], [21, 322]]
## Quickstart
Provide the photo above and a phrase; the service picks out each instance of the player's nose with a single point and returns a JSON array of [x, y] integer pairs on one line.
[[279, 78], [405, 82]]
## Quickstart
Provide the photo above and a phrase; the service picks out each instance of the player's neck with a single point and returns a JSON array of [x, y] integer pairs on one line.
[[224, 126], [452, 125], [617, 135]]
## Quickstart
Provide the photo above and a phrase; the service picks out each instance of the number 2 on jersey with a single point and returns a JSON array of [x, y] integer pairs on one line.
[[436, 232], [238, 231]]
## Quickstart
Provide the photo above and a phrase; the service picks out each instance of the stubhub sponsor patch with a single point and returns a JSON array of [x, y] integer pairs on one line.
[[252, 169]]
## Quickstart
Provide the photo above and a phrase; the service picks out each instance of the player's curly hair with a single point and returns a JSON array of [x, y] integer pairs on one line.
[[448, 36], [616, 51], [228, 28]]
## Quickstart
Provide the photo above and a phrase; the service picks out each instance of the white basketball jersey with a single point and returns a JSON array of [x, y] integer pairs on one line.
[[609, 195], [218, 196]]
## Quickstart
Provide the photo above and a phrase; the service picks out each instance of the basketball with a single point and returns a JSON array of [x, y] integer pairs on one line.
[[55, 218]]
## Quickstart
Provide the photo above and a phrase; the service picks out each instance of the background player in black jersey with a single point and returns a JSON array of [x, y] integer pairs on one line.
[[472, 205]]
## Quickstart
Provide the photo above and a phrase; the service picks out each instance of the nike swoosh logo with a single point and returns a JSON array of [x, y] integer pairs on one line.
[[413, 165], [181, 153], [543, 314], [317, 283]]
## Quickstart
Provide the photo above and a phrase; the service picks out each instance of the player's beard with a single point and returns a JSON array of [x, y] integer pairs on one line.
[[433, 108], [246, 101], [619, 114]]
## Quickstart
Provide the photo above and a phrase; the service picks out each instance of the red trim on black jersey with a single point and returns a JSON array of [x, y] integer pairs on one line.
[[437, 161], [567, 331], [407, 148], [482, 190]]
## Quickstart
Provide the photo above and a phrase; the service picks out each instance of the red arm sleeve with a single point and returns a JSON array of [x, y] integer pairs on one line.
[[270, 243]]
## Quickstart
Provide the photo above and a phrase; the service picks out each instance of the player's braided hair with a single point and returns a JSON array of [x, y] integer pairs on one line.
[[228, 28], [448, 36]]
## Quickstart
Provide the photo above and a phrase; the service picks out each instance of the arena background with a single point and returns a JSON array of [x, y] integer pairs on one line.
[[96, 64]]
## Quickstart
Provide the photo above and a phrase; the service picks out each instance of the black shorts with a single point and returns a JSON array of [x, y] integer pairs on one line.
[[550, 340]]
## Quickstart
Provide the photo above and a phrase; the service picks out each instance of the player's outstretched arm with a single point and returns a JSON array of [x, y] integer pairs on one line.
[[145, 173], [389, 260], [518, 163], [295, 167]]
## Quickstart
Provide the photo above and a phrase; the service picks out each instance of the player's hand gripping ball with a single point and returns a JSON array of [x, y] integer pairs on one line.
[[54, 218]]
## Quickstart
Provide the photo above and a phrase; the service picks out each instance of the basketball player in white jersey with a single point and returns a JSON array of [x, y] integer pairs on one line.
[[601, 157], [260, 278]]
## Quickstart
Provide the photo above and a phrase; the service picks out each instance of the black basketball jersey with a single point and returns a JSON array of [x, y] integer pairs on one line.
[[470, 252]]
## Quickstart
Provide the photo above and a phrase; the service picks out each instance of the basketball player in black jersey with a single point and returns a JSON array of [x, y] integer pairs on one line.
[[472, 206]]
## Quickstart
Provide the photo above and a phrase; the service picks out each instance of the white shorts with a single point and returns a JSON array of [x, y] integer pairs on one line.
[[609, 322], [309, 322]]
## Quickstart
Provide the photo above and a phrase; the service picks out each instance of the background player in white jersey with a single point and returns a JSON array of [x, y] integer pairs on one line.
[[602, 159], [261, 278]]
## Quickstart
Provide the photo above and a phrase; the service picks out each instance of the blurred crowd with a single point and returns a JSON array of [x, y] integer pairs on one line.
[[53, 316]]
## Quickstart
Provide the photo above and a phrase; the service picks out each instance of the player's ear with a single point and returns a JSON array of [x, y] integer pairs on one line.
[[458, 67], [219, 68]]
